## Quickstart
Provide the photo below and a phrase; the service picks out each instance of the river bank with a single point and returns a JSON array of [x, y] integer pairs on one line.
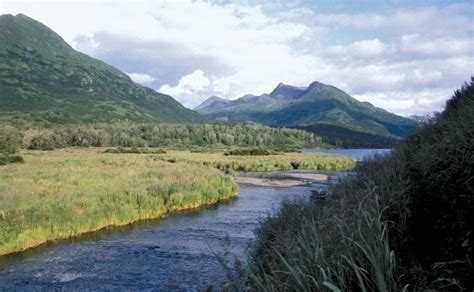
[[167, 255], [64, 193]]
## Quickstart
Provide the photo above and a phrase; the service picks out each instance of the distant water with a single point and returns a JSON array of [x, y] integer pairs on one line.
[[357, 154]]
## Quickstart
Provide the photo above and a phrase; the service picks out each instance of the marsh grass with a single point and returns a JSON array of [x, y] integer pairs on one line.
[[63, 193], [256, 151], [135, 150], [282, 161], [329, 243], [400, 222]]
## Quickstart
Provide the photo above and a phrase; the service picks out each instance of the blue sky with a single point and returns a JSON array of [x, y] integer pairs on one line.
[[404, 56]]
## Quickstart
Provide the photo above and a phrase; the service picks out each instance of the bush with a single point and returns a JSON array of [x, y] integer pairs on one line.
[[251, 152], [135, 150], [10, 139], [401, 221], [8, 158], [439, 163]]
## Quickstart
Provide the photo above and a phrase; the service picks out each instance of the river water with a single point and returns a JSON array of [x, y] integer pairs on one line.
[[357, 154], [176, 253]]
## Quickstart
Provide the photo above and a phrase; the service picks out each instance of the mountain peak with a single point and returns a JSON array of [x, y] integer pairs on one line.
[[210, 101], [27, 32], [285, 91], [62, 85]]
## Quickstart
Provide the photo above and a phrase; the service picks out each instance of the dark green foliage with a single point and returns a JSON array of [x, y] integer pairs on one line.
[[346, 138], [439, 163], [197, 137], [405, 220], [9, 158], [43, 80], [135, 150], [322, 109], [251, 152]]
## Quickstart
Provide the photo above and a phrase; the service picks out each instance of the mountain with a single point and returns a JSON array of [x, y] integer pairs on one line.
[[43, 79], [320, 108], [424, 118], [213, 100]]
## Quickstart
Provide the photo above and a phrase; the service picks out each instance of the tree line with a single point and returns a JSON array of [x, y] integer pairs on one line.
[[129, 134]]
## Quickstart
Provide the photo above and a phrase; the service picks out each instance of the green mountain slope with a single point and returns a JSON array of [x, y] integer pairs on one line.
[[319, 108], [43, 79]]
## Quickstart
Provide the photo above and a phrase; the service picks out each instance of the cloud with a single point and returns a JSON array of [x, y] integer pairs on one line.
[[429, 101], [165, 61], [191, 89], [404, 59], [141, 78], [409, 20]]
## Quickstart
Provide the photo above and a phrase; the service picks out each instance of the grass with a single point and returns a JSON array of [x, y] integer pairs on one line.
[[282, 161], [135, 150], [251, 152], [63, 193], [337, 243], [401, 222]]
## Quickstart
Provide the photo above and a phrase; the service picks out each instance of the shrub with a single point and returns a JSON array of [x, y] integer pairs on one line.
[[401, 221], [251, 152], [10, 139], [135, 150], [9, 158], [439, 163]]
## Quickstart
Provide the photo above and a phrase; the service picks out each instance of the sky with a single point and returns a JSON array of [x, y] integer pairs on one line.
[[404, 56]]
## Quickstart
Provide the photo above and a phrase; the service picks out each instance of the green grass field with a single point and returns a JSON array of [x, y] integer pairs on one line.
[[283, 161], [59, 194], [63, 193]]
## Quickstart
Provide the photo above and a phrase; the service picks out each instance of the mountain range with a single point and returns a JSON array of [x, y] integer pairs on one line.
[[319, 108], [43, 79]]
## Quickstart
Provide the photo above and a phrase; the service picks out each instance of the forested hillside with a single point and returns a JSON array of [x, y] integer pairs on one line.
[[320, 108], [402, 222], [43, 79]]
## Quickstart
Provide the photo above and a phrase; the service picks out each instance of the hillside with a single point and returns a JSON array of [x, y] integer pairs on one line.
[[43, 79], [322, 109], [403, 221]]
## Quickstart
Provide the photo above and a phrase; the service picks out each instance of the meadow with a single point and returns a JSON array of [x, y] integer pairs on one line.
[[63, 193], [279, 161]]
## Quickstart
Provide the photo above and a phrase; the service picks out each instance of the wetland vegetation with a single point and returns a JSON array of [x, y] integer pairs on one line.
[[67, 192], [402, 222], [62, 193]]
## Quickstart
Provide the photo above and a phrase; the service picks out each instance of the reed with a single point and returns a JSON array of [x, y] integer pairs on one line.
[[64, 193], [281, 161]]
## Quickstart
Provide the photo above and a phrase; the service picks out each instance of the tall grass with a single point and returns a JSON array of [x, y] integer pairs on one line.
[[340, 243], [402, 222], [63, 193], [282, 161]]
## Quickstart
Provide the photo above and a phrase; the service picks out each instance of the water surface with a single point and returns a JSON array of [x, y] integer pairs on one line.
[[169, 254], [357, 154]]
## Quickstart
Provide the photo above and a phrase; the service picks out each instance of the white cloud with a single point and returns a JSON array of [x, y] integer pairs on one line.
[[191, 89], [141, 78], [404, 60], [396, 101]]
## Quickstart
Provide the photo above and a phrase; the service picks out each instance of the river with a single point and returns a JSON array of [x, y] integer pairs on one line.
[[169, 254]]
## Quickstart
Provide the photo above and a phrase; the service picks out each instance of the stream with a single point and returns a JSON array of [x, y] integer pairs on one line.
[[176, 253]]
